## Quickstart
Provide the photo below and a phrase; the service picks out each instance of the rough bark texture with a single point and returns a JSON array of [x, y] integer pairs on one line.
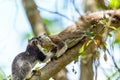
[[84, 23], [33, 17], [86, 64], [61, 75], [90, 5]]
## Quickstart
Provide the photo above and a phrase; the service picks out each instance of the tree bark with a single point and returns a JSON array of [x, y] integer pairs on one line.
[[61, 75], [90, 5], [86, 64], [34, 17], [86, 67]]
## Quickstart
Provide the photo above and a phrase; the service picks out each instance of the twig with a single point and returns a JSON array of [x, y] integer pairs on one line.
[[96, 68], [113, 59], [54, 12], [73, 2]]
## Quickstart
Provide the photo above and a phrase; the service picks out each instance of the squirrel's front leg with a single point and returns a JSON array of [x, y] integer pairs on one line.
[[59, 50]]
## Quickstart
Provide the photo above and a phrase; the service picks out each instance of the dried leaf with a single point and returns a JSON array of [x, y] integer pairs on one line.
[[97, 41]]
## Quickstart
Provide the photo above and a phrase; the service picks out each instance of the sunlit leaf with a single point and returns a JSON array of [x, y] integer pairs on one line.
[[112, 27], [82, 49], [37, 68], [104, 21], [114, 4], [88, 42], [118, 36], [116, 42]]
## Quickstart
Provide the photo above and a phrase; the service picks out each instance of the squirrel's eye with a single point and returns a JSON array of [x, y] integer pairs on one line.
[[39, 37]]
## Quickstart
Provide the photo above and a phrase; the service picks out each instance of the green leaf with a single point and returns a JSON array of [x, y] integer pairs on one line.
[[29, 35], [47, 21], [2, 75], [9, 77], [114, 4], [116, 42], [109, 34], [97, 54], [112, 27], [84, 55], [87, 44], [82, 48], [88, 33], [104, 21]]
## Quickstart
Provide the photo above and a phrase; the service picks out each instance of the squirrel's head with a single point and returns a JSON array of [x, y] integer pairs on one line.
[[33, 42], [45, 41]]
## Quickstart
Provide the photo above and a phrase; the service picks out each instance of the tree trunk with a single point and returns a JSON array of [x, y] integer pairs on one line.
[[86, 69], [61, 75], [33, 17], [86, 64]]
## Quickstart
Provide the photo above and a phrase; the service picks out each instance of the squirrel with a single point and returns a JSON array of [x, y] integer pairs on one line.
[[56, 44], [25, 61]]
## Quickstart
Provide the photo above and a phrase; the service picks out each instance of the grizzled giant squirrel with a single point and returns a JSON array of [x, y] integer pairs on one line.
[[25, 61]]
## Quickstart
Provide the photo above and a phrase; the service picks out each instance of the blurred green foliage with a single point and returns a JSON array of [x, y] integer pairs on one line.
[[117, 36], [114, 4], [53, 26], [2, 75]]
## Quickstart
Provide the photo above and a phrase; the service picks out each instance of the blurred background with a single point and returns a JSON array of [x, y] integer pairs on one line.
[[21, 20]]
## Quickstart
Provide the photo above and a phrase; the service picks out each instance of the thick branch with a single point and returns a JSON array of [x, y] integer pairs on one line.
[[55, 66], [83, 24]]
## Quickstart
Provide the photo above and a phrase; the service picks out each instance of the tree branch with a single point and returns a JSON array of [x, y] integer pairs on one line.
[[85, 23]]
